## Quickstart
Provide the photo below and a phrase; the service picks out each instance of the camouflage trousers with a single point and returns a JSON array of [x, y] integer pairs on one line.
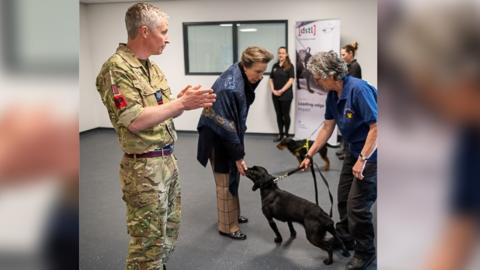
[[151, 190]]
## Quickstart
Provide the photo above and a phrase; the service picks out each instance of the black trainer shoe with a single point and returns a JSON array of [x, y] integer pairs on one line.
[[360, 262]]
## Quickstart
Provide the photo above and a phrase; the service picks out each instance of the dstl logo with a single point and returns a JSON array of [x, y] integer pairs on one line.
[[305, 31]]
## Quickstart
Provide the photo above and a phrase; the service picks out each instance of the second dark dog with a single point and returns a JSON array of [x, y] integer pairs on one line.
[[300, 148], [284, 206]]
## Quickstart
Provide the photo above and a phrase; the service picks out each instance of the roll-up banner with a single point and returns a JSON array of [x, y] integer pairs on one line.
[[312, 37]]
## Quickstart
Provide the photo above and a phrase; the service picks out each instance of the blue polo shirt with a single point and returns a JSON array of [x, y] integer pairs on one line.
[[353, 112]]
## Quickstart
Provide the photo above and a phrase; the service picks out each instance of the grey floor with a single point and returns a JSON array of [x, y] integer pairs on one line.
[[103, 235]]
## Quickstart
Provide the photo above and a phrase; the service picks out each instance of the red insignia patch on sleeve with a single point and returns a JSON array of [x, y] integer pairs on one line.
[[120, 101], [118, 98]]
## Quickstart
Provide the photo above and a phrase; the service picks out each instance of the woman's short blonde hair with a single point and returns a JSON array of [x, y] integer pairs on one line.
[[255, 54]]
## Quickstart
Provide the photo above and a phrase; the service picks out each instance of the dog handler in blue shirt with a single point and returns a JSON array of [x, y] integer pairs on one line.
[[352, 105]]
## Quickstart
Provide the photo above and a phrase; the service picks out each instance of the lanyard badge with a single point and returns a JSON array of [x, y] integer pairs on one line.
[[159, 97]]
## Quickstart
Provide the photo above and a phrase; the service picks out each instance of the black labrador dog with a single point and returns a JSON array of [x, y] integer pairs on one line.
[[299, 149], [286, 207]]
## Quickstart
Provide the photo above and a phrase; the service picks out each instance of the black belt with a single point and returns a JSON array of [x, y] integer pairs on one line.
[[164, 151]]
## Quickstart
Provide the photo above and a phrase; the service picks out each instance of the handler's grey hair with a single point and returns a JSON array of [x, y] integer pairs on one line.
[[324, 64], [142, 14]]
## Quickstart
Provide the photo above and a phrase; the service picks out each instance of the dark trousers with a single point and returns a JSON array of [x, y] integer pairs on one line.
[[355, 200], [282, 109]]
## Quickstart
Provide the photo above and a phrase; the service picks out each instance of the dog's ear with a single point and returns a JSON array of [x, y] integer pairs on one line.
[[262, 171]]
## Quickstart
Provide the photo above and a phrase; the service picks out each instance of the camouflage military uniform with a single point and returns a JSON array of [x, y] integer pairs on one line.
[[150, 186]]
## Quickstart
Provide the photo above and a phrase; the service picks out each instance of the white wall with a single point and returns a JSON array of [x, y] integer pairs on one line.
[[90, 104], [106, 29]]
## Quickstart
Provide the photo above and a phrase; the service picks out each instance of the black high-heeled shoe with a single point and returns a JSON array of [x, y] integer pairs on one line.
[[238, 235]]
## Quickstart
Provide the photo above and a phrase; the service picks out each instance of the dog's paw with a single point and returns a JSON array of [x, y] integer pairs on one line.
[[345, 253], [328, 261], [278, 240]]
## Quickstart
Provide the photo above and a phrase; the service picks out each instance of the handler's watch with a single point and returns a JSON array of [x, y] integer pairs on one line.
[[308, 156], [362, 157]]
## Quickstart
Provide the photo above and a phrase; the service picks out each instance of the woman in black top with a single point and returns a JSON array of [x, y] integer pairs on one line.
[[281, 80], [348, 55]]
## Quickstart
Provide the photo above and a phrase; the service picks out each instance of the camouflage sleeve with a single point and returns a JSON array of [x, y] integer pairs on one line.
[[119, 95]]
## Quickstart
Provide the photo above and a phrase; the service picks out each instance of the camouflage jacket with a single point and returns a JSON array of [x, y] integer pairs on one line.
[[126, 88]]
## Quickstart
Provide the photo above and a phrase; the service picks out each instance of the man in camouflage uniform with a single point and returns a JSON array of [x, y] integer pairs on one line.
[[141, 108]]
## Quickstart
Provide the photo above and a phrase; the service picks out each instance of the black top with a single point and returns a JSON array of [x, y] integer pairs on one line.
[[249, 87], [224, 152], [280, 77], [354, 69]]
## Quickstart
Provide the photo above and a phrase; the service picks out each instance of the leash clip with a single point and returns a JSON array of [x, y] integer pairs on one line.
[[281, 177], [278, 178]]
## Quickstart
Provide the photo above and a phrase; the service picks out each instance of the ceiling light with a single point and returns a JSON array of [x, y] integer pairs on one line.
[[248, 30]]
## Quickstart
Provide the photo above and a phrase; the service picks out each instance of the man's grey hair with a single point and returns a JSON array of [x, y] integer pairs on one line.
[[142, 14], [325, 64]]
